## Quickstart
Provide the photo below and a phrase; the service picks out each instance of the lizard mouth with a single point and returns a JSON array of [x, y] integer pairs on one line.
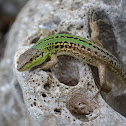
[[20, 68]]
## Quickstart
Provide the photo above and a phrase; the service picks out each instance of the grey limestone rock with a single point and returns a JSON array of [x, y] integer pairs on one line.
[[65, 95]]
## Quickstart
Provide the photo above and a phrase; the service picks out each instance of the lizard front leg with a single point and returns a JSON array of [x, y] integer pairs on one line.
[[50, 63]]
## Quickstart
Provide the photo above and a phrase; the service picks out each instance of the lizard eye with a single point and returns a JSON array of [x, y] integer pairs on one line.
[[31, 59]]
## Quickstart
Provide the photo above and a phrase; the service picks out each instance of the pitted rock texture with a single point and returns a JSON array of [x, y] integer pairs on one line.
[[45, 93], [82, 103]]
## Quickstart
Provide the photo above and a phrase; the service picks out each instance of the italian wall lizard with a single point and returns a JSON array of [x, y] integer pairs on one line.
[[65, 44]]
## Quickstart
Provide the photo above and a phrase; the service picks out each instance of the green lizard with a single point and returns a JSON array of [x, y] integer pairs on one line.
[[45, 52]]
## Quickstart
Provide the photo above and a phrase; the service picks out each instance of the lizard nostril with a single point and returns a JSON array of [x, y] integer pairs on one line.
[[31, 59]]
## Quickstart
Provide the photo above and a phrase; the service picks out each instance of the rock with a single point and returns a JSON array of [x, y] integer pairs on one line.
[[49, 95]]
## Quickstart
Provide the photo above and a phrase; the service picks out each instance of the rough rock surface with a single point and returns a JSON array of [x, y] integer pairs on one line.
[[49, 95]]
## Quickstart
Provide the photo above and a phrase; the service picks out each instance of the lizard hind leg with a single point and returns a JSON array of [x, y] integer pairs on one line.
[[105, 85], [95, 30]]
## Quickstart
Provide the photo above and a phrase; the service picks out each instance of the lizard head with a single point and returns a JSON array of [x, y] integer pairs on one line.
[[30, 58]]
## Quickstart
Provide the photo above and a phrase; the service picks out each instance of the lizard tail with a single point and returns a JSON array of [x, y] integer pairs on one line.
[[122, 75], [115, 67]]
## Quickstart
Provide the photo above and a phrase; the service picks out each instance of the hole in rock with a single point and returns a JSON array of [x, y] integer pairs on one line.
[[57, 110], [34, 40], [34, 103], [67, 70], [43, 95], [47, 86]]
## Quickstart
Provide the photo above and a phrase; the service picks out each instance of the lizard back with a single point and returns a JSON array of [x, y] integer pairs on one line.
[[65, 44]]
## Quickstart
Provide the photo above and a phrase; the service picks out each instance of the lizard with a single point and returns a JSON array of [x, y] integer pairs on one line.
[[44, 54]]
